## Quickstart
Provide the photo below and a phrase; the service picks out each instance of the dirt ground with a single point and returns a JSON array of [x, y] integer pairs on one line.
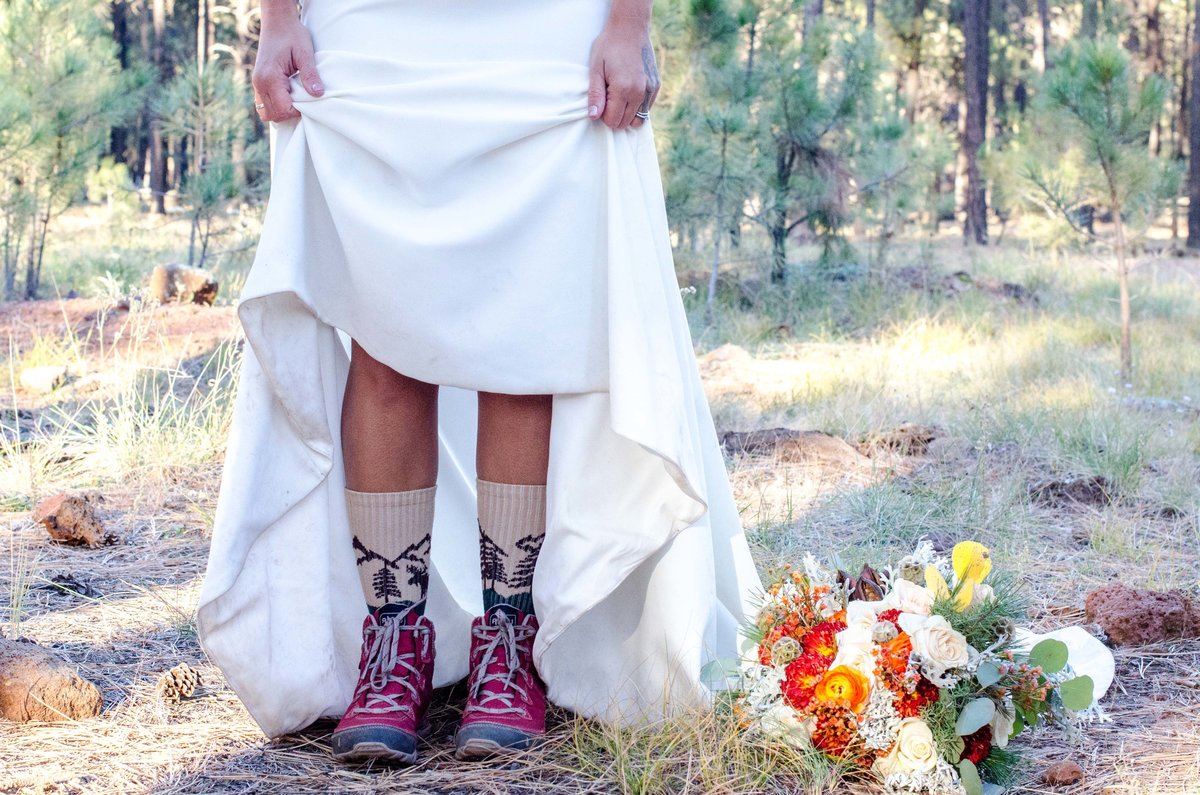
[[124, 613]]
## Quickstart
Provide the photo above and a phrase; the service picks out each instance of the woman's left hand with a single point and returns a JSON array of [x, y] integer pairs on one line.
[[623, 73]]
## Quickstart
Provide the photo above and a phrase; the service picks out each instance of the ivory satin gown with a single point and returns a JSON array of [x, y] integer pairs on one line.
[[448, 203]]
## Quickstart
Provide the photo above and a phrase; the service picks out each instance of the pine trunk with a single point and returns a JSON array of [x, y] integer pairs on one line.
[[158, 145], [1043, 48], [975, 77], [1193, 135]]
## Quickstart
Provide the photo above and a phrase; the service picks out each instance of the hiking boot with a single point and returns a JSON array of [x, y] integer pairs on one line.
[[506, 700], [395, 679]]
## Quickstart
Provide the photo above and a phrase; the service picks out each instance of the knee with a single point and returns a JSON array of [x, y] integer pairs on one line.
[[522, 409], [373, 379]]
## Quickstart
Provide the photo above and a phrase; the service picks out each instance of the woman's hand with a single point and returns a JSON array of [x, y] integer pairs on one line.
[[284, 48], [623, 73]]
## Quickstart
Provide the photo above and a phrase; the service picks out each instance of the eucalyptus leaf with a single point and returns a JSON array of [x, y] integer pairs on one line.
[[969, 775], [1018, 725], [974, 716], [1077, 693], [953, 749], [987, 674], [1050, 654], [719, 670]]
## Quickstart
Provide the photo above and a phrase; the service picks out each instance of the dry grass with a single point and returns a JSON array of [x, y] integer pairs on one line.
[[1020, 392]]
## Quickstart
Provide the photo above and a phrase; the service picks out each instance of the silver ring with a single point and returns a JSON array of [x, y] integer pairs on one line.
[[642, 114], [260, 105]]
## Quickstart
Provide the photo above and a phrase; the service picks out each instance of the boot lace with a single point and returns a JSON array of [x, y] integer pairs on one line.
[[515, 639], [385, 665]]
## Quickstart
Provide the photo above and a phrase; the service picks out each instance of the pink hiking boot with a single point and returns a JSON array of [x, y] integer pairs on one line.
[[395, 679], [506, 703]]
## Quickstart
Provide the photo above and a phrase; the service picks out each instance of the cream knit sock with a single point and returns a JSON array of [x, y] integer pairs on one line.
[[392, 532], [512, 524]]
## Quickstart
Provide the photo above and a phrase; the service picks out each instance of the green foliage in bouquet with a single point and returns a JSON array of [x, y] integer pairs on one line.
[[986, 620]]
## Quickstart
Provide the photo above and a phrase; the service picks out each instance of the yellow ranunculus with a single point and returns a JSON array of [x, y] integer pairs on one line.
[[972, 561], [936, 584], [844, 685]]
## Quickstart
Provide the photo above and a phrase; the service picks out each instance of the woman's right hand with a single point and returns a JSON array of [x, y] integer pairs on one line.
[[285, 48]]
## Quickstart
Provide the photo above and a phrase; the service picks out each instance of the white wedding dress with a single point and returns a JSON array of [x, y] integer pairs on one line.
[[448, 203]]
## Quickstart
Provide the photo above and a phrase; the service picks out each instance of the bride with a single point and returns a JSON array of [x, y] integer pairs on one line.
[[469, 437]]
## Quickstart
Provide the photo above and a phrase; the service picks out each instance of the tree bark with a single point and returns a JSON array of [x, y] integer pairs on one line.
[[914, 41], [118, 139], [975, 77], [1193, 107], [1090, 23], [1155, 63], [813, 9], [158, 147], [1123, 285], [1042, 56]]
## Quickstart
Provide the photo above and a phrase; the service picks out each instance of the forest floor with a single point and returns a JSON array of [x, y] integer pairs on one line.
[[1002, 362]]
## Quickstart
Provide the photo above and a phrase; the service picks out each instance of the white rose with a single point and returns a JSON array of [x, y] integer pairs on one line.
[[914, 751], [941, 647], [861, 614], [908, 597], [855, 649], [780, 722]]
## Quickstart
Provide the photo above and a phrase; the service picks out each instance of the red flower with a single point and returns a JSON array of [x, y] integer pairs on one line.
[[801, 678], [977, 746], [822, 639], [892, 615], [909, 705]]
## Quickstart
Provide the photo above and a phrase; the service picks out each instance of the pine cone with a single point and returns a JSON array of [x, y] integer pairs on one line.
[[179, 682]]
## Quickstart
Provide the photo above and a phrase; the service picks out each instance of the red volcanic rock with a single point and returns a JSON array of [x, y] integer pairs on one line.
[[73, 519], [37, 684], [1135, 617], [1062, 773]]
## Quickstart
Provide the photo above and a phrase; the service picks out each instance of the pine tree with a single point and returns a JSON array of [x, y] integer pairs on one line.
[[491, 563], [384, 583], [1101, 116], [522, 576], [61, 89]]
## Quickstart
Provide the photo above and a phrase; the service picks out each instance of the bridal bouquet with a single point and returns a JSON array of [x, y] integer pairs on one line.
[[914, 672]]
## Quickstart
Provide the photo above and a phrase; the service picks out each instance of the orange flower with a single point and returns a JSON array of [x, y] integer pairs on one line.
[[822, 639], [844, 685], [894, 654]]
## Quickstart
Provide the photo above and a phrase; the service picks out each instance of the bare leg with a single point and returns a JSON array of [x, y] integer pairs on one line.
[[513, 444], [389, 427]]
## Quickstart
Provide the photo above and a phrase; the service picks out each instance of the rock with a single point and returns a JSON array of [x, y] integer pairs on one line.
[[179, 283], [37, 684], [908, 439], [727, 355], [813, 447], [72, 519], [46, 378], [941, 541], [1135, 617], [1091, 490], [1063, 773]]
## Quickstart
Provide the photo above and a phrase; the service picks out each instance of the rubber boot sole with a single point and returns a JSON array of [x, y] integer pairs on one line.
[[376, 743], [484, 740]]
